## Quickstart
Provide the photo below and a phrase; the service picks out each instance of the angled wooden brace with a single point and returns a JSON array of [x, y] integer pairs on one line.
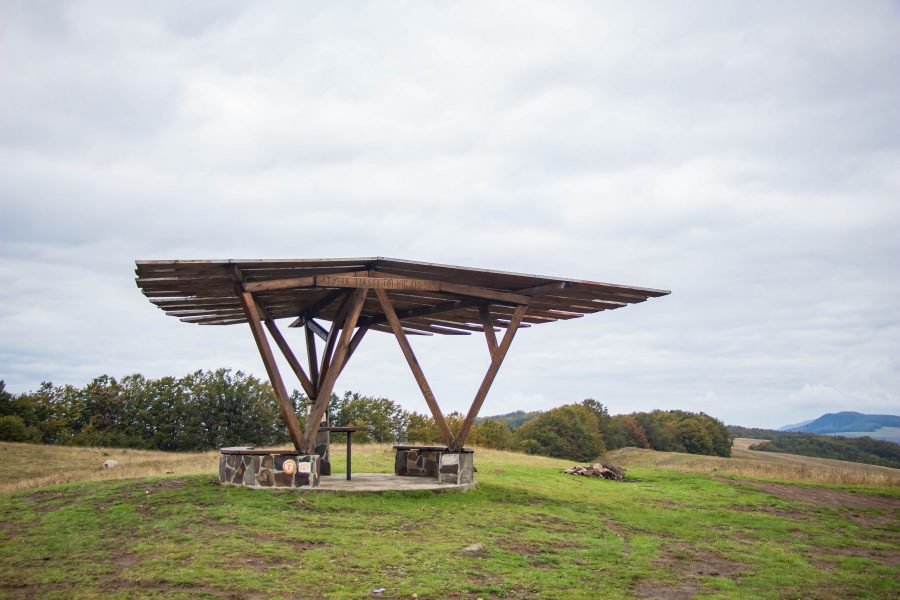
[[326, 385], [391, 316], [265, 351], [496, 361]]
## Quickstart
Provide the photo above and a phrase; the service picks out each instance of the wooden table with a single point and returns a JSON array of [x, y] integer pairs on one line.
[[349, 431]]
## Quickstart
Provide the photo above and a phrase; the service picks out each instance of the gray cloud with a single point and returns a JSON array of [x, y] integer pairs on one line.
[[745, 157]]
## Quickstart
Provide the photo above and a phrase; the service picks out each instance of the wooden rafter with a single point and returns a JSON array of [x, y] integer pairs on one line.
[[414, 366]]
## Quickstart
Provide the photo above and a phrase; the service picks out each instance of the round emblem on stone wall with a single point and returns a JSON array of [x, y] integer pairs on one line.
[[289, 466], [303, 467]]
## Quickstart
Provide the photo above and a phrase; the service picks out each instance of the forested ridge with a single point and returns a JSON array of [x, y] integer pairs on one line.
[[211, 409], [856, 449]]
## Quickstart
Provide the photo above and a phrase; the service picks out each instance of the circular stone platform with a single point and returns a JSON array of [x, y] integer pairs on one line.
[[383, 482]]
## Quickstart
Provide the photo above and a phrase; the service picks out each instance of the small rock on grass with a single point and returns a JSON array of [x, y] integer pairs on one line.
[[477, 548], [109, 464]]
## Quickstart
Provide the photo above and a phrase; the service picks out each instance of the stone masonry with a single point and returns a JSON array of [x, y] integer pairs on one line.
[[263, 469], [456, 467], [435, 461]]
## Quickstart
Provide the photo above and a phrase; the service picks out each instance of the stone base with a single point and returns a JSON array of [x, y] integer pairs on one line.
[[277, 469], [456, 467], [323, 445], [435, 461]]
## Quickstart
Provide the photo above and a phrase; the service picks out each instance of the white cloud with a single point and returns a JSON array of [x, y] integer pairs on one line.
[[744, 156]]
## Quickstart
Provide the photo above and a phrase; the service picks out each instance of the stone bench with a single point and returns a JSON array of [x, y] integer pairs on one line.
[[268, 468], [448, 466]]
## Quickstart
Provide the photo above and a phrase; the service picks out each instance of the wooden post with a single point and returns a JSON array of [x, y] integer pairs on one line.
[[312, 358], [414, 365], [484, 312], [265, 351], [339, 318], [496, 361], [291, 359], [357, 299]]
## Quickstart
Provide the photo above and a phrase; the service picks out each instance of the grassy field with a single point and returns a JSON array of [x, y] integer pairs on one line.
[[669, 532], [765, 465]]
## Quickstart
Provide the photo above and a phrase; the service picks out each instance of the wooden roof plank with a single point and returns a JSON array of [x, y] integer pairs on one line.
[[429, 297]]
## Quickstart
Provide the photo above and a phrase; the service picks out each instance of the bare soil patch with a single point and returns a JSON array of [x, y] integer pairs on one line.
[[658, 590], [880, 510], [827, 558], [692, 561]]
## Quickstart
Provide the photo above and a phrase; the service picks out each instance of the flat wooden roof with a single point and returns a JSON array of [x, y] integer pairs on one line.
[[428, 298]]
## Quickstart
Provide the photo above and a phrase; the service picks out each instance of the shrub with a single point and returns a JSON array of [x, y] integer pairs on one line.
[[12, 429]]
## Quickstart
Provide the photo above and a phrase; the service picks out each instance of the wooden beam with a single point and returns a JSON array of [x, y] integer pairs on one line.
[[537, 290], [477, 292], [330, 341], [280, 284], [392, 283], [485, 312], [291, 358], [312, 359], [357, 299], [488, 380], [265, 351], [320, 304], [414, 366], [424, 311], [317, 328]]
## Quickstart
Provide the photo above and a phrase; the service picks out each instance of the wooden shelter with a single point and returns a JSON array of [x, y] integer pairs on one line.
[[358, 295]]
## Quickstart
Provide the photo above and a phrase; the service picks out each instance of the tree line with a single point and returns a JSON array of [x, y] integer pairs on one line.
[[211, 409]]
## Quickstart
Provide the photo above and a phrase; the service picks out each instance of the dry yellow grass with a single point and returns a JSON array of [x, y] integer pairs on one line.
[[763, 465], [36, 465]]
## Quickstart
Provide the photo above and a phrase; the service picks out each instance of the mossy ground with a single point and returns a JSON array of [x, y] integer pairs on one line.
[[545, 535]]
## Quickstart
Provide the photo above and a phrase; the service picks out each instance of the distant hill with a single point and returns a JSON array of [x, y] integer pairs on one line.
[[795, 426], [851, 424], [515, 419]]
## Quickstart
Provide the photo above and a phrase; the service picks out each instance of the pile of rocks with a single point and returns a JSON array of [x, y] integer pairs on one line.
[[597, 470]]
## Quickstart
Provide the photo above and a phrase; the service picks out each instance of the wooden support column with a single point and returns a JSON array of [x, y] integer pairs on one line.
[[291, 359], [312, 358], [496, 361], [484, 312], [391, 316], [355, 305], [265, 351], [332, 338]]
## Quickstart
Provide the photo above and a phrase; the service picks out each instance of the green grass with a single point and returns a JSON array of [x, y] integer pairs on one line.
[[545, 534]]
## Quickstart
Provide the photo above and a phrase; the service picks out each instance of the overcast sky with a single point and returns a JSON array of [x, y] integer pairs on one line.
[[745, 156]]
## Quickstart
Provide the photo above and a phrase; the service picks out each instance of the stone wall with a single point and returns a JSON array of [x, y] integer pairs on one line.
[[265, 470], [431, 461], [416, 462]]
